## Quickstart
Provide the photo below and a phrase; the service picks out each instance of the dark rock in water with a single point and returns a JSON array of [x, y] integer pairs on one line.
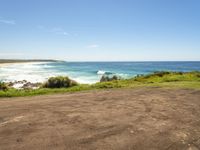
[[20, 82], [10, 84], [24, 85], [30, 85], [24, 81], [106, 78]]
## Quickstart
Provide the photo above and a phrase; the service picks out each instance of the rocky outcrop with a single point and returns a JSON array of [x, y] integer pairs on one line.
[[24, 85], [30, 85]]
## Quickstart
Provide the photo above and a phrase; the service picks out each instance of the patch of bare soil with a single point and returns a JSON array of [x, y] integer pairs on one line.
[[122, 119]]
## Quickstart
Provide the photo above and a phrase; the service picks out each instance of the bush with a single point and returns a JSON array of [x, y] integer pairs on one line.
[[106, 78], [160, 73], [59, 82], [3, 86]]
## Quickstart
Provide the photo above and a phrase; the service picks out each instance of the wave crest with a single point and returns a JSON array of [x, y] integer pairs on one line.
[[102, 72]]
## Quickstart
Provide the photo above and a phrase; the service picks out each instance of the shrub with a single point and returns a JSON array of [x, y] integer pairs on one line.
[[106, 78], [196, 73], [3, 86], [59, 82], [160, 73]]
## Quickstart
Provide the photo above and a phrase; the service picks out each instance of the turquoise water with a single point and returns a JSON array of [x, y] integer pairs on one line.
[[89, 72]]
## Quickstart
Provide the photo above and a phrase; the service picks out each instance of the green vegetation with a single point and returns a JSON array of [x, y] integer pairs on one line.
[[160, 77], [157, 79], [3, 86], [106, 78], [59, 82]]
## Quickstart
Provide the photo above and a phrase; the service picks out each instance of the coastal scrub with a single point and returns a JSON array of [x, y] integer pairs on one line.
[[189, 80], [59, 82], [3, 86]]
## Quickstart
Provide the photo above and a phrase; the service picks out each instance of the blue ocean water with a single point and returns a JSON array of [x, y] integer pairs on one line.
[[89, 72]]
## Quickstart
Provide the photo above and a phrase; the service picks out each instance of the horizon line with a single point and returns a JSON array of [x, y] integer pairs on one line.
[[49, 59]]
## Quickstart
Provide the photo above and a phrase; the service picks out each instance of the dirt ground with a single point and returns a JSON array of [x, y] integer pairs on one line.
[[120, 119]]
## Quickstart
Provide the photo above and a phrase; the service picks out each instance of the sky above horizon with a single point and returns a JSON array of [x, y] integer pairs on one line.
[[100, 30]]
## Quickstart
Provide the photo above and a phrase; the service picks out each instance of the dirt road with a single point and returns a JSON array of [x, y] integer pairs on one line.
[[122, 119]]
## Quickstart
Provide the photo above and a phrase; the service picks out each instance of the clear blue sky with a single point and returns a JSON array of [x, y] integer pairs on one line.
[[100, 30]]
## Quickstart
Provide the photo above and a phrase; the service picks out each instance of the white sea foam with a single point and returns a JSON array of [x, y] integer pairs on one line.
[[32, 72], [18, 85], [101, 72], [38, 72]]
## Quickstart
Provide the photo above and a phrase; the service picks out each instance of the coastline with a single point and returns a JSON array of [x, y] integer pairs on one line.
[[26, 60], [13, 63], [84, 73], [7, 62], [172, 80]]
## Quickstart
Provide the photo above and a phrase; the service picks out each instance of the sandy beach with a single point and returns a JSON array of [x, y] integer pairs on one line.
[[123, 119], [6, 64], [14, 63], [10, 64]]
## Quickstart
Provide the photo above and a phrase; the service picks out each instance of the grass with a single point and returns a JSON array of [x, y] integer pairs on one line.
[[189, 80]]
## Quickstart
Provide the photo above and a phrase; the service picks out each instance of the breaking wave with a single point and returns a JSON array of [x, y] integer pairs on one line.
[[102, 72]]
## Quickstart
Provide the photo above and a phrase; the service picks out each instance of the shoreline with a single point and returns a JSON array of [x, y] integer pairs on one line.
[[189, 80], [28, 62], [12, 61]]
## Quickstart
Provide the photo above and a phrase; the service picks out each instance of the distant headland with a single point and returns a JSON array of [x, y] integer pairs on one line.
[[27, 60]]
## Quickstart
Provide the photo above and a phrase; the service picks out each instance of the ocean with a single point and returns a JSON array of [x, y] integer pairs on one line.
[[87, 72]]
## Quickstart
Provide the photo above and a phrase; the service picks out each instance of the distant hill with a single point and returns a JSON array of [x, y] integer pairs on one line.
[[26, 60]]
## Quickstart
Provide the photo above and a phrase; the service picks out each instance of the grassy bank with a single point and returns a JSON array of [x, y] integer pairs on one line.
[[158, 79]]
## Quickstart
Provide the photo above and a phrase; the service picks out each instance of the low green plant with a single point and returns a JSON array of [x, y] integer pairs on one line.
[[59, 82], [106, 78], [3, 86]]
